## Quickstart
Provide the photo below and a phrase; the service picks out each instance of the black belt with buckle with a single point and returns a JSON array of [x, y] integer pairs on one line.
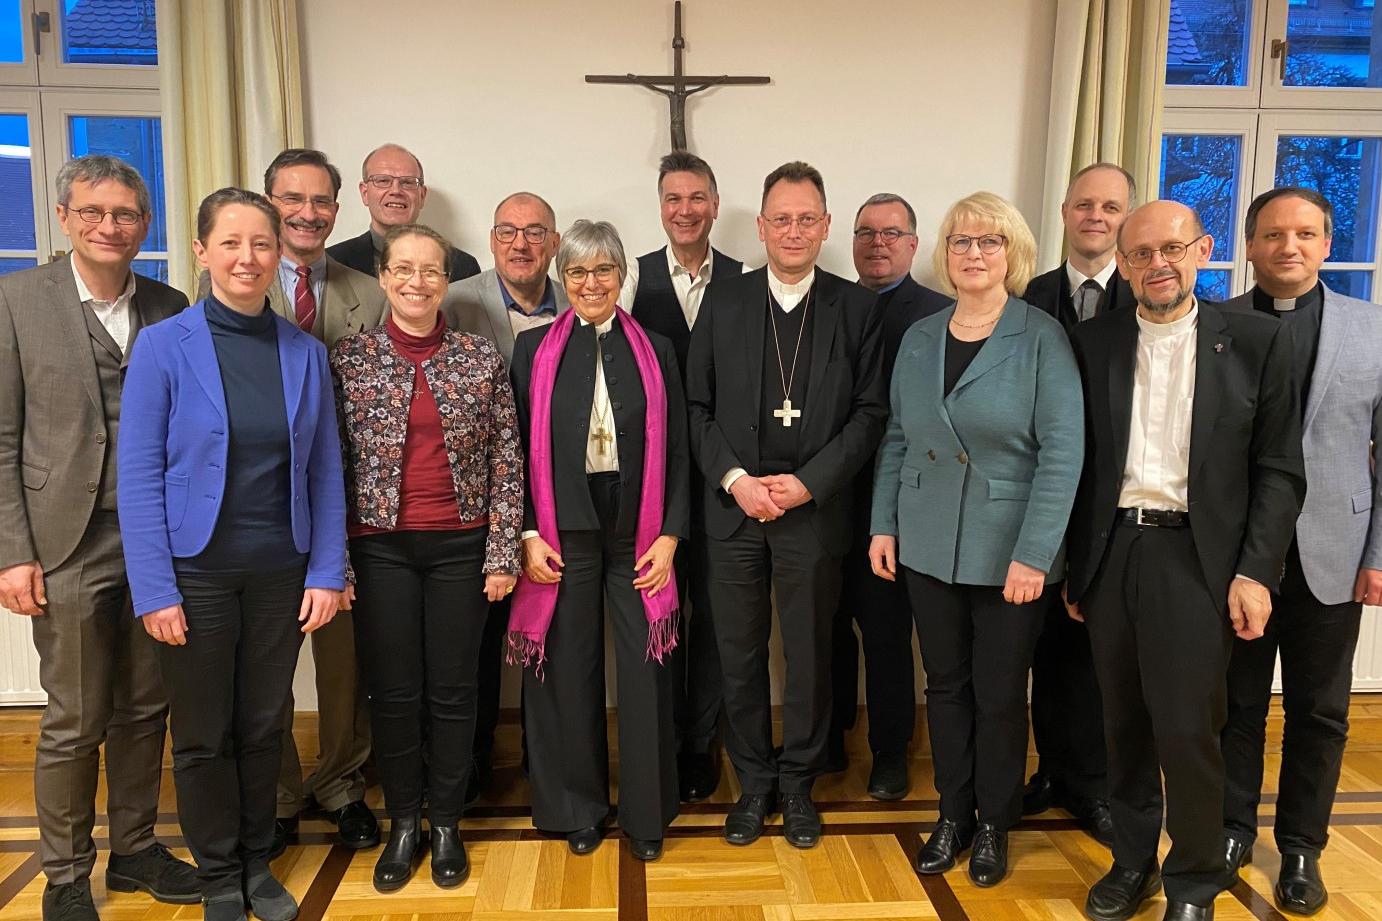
[[1154, 517]]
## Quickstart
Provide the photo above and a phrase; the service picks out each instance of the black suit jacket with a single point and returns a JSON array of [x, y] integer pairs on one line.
[[571, 401], [846, 401], [902, 307], [1247, 476], [358, 253], [655, 304], [1051, 293]]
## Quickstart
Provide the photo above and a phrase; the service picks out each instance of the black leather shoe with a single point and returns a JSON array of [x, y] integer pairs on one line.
[[450, 867], [1184, 911], [943, 848], [69, 902], [646, 848], [1120, 893], [394, 867], [585, 840], [356, 827], [698, 776], [744, 823], [156, 871], [1300, 889], [1039, 794], [888, 780], [988, 862], [1097, 822], [1237, 854], [283, 830], [801, 823]]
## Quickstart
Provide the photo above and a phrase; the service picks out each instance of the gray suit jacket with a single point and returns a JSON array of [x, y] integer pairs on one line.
[[1340, 525], [53, 440], [474, 305], [352, 302]]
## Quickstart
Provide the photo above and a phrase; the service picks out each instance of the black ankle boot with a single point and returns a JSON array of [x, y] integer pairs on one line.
[[449, 864], [395, 865]]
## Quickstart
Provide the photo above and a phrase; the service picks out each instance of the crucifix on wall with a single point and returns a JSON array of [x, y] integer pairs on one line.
[[678, 86]]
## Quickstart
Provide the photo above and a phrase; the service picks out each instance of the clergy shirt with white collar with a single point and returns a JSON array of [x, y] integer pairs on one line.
[[600, 409], [1157, 472], [114, 315], [1102, 278]]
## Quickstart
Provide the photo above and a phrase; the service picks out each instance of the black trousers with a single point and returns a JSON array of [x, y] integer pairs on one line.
[[1067, 715], [564, 710], [697, 692], [419, 615], [1316, 642], [881, 610], [226, 692], [490, 676], [976, 649], [1161, 649], [787, 557]]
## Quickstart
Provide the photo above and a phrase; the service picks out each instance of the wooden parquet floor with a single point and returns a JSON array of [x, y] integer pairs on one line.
[[862, 868]]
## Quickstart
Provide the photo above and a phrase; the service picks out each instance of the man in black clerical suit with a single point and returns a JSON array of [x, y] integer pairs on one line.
[[392, 188], [786, 405], [669, 284], [885, 243], [1067, 720], [1192, 482]]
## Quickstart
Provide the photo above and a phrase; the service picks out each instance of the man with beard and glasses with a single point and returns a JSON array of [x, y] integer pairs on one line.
[[1192, 482]]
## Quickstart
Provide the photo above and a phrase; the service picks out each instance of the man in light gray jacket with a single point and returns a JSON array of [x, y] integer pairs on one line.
[[1334, 565]]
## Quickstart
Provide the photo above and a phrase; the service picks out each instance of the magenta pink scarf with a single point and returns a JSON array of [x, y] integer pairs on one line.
[[533, 603]]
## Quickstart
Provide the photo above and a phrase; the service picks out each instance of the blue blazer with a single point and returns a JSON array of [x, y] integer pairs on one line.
[[172, 449], [972, 481]]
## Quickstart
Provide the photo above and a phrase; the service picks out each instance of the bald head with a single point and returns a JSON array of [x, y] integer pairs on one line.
[[391, 187], [1161, 248], [1160, 213], [526, 198]]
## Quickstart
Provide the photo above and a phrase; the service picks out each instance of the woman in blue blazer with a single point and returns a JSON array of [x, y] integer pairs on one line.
[[232, 511], [973, 488]]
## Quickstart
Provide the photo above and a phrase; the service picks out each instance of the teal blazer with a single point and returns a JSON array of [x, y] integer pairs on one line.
[[972, 481]]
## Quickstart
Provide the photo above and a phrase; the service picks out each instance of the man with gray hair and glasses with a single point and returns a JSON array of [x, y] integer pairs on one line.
[[66, 329], [392, 188]]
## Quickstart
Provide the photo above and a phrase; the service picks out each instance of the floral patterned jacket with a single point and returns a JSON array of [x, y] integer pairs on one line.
[[374, 388]]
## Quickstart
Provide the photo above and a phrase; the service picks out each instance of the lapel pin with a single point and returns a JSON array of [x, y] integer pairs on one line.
[[1218, 346]]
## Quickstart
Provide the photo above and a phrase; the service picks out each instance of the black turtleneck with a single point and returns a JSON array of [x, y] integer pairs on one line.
[[1304, 324], [254, 530]]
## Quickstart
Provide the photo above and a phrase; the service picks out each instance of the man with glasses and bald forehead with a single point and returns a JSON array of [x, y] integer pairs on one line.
[[1192, 482], [393, 189]]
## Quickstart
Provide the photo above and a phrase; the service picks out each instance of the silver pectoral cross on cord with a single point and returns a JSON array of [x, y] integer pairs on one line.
[[787, 413]]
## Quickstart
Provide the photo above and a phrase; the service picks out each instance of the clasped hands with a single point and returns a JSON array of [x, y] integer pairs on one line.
[[768, 498]]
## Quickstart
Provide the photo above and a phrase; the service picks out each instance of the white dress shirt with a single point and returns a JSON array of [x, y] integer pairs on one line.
[[114, 315], [1156, 474], [690, 289]]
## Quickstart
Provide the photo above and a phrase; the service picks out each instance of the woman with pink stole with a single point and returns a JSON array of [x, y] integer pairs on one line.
[[603, 419]]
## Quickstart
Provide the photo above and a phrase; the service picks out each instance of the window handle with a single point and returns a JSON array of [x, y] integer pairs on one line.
[[42, 23], [1279, 49]]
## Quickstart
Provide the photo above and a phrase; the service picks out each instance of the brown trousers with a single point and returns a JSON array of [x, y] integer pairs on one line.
[[100, 671]]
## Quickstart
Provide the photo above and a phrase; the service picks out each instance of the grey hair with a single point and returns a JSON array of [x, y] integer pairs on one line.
[[889, 198], [94, 168], [587, 240]]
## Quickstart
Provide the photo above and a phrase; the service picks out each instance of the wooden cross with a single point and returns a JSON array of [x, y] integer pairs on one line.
[[787, 413], [678, 86]]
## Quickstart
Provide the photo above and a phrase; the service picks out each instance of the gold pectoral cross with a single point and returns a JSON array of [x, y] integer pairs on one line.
[[602, 440], [787, 413]]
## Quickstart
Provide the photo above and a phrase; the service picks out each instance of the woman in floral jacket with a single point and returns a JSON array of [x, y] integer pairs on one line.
[[434, 490]]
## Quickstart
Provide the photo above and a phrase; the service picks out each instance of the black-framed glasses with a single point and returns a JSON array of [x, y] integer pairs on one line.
[[533, 233], [294, 201], [122, 216], [382, 182], [989, 243], [404, 272], [1172, 252], [889, 235], [805, 222], [577, 274]]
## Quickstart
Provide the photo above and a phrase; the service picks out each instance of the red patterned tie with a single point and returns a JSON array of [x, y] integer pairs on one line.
[[304, 302]]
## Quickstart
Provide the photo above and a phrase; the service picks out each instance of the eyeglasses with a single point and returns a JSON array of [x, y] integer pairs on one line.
[[804, 222], [989, 243], [533, 233], [407, 183], [122, 216], [405, 272], [577, 274], [889, 235], [1172, 252], [295, 201]]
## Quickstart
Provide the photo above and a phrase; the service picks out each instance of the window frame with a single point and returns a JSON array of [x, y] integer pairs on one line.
[[26, 103], [54, 71], [1275, 95], [1180, 96], [25, 72]]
